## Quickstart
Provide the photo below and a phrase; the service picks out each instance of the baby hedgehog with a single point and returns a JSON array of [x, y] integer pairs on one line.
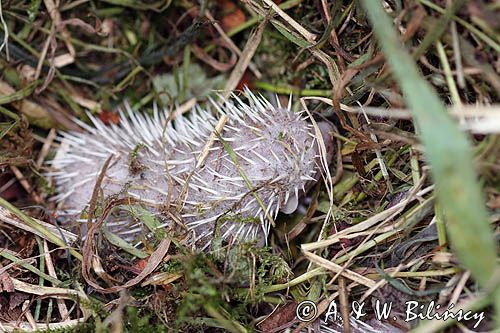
[[262, 161]]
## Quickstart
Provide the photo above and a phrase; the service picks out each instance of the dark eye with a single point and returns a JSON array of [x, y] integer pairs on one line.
[[143, 176]]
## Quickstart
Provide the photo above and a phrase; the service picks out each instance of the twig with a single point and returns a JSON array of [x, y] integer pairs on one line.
[[5, 42], [46, 147], [63, 310], [25, 184]]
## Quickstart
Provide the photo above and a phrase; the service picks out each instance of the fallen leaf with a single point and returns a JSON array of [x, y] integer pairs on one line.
[[282, 316], [6, 283], [246, 81], [109, 117], [16, 299], [233, 15]]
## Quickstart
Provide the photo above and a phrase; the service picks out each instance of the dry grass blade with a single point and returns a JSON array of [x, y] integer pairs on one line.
[[339, 270], [22, 263], [154, 261], [34, 112], [12, 219], [469, 305], [50, 292], [449, 155], [40, 228], [306, 34], [383, 216], [27, 327]]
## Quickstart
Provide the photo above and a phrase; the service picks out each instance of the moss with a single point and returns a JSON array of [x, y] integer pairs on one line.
[[134, 321], [134, 165]]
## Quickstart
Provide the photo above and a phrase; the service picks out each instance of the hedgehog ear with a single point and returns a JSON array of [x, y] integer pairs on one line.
[[291, 205]]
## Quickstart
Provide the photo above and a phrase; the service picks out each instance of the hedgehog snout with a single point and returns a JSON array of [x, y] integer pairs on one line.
[[291, 205]]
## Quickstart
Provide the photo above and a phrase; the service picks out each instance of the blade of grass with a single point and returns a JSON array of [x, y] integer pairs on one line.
[[440, 26], [41, 281], [285, 90], [448, 152], [6, 97], [42, 231], [121, 243], [18, 261], [144, 216], [228, 324], [473, 304], [234, 158], [485, 38]]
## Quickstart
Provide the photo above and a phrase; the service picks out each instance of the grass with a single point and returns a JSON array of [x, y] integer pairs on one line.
[[449, 154], [409, 211]]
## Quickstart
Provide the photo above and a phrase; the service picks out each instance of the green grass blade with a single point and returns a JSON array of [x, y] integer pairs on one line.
[[448, 153], [123, 244], [20, 262], [38, 227]]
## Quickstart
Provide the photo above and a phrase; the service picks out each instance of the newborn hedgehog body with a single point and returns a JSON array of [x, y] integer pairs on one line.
[[263, 159]]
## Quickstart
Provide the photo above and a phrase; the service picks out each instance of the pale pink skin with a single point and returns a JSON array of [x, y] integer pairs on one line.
[[276, 151]]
